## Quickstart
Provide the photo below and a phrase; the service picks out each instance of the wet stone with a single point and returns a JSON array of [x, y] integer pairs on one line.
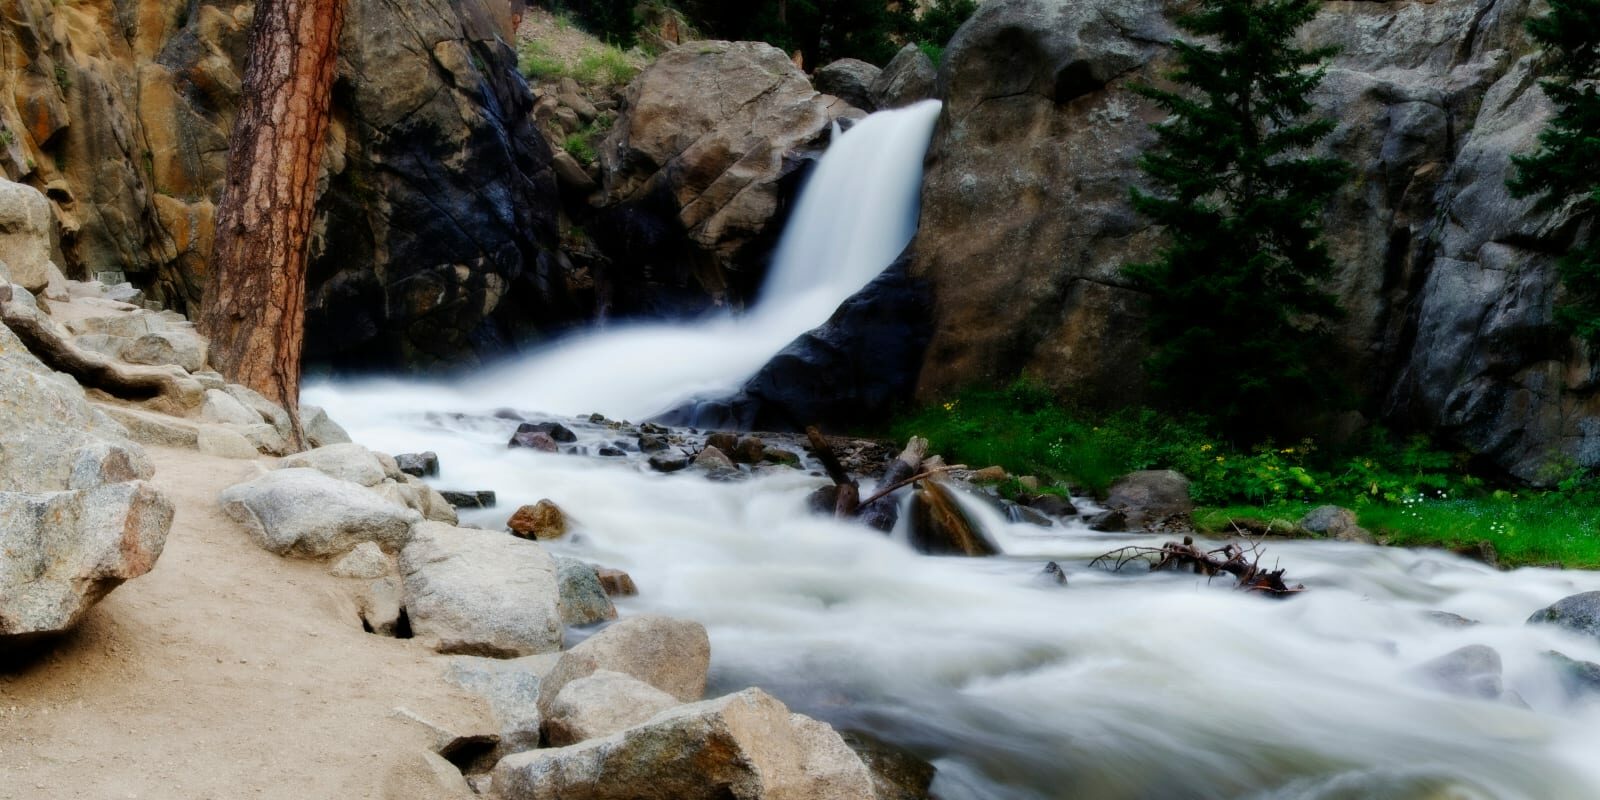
[[482, 498]]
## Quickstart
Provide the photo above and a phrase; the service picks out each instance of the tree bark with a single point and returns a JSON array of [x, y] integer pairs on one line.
[[254, 305]]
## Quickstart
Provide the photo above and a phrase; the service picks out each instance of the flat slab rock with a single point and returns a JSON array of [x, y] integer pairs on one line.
[[482, 593]]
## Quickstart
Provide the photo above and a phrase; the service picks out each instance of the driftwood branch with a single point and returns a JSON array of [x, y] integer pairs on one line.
[[901, 484], [824, 453], [1242, 561]]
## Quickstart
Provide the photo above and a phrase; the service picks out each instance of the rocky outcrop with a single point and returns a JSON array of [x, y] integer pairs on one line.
[[693, 172], [848, 373], [601, 704], [745, 745], [908, 78], [76, 517], [436, 230], [671, 655], [1448, 280], [1152, 500], [850, 80], [1579, 614]]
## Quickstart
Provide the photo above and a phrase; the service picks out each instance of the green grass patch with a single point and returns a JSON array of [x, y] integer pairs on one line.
[[1525, 528], [1404, 490], [598, 65]]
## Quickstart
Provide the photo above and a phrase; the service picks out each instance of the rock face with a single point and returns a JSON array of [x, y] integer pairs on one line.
[[691, 173], [1337, 523], [436, 230], [746, 746], [480, 593], [304, 513], [845, 374], [1448, 280], [76, 518]]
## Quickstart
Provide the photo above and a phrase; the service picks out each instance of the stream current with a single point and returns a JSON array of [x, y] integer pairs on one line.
[[1114, 686]]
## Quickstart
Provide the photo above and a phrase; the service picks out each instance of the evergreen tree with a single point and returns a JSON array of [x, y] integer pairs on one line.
[[1567, 165], [1237, 312]]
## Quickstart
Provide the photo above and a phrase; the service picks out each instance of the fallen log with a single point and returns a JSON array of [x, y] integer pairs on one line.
[[1243, 562]]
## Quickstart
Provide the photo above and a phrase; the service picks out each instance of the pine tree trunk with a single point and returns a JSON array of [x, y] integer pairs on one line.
[[254, 305]]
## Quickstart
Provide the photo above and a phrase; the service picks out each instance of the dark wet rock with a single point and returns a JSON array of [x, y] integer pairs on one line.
[[652, 443], [534, 440], [851, 371], [554, 430], [823, 500], [420, 465], [1023, 514], [482, 498], [723, 440], [1474, 671], [1113, 521], [939, 526], [1052, 504], [665, 462], [777, 455], [1482, 552], [748, 450], [1152, 500], [1579, 614], [1578, 678], [611, 452], [897, 773], [1450, 620], [1053, 573]]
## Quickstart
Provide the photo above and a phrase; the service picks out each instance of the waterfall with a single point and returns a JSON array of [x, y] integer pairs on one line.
[[855, 215]]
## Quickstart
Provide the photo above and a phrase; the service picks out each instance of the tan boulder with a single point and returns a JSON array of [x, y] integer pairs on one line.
[[670, 654], [542, 520], [601, 704]]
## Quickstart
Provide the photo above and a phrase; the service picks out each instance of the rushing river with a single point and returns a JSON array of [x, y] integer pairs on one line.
[[1114, 686]]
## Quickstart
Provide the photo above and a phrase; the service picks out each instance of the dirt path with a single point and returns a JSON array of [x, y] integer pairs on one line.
[[226, 672]]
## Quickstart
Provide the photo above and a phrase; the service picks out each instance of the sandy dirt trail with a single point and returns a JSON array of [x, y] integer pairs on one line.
[[226, 672]]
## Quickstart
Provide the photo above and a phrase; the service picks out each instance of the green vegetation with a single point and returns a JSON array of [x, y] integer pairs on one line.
[[1404, 490], [611, 20], [605, 65], [1563, 170], [583, 144], [1237, 312]]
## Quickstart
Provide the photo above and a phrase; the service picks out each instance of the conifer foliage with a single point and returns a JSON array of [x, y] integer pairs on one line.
[[1567, 164], [1238, 311]]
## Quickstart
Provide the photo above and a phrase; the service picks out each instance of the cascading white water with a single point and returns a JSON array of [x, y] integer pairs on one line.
[[856, 213], [1115, 687]]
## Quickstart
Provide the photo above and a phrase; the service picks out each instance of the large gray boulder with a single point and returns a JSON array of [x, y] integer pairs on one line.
[[483, 593], [601, 704], [347, 462], [850, 80], [1579, 613], [25, 222], [510, 687], [746, 746], [307, 514], [909, 77], [670, 654], [60, 552], [1152, 499]]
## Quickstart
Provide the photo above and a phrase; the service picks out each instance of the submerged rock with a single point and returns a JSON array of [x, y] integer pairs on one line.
[[616, 582], [419, 465], [584, 601], [746, 745], [1579, 613], [480, 498], [1473, 671], [897, 773], [940, 527], [542, 520]]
